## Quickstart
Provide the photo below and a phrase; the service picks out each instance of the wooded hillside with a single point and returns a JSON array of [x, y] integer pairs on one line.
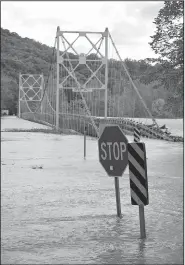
[[29, 56]]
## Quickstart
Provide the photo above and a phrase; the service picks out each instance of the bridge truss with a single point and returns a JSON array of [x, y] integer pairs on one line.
[[87, 83]]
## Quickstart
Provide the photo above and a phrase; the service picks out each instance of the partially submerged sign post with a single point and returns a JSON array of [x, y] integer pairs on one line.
[[85, 131], [138, 177], [113, 156]]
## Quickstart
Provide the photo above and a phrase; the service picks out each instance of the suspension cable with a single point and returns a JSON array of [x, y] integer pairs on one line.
[[50, 68], [130, 79]]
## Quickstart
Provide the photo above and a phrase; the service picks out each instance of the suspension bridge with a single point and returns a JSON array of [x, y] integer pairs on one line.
[[84, 90]]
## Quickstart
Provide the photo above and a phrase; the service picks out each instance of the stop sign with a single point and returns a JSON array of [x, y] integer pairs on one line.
[[113, 153]]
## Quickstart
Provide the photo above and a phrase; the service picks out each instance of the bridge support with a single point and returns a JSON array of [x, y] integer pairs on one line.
[[57, 92], [71, 83], [30, 93], [42, 93]]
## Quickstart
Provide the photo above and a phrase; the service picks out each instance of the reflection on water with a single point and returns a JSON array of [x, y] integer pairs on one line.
[[121, 247], [141, 250]]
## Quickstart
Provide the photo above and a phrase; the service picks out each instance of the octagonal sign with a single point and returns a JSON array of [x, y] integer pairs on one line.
[[113, 153]]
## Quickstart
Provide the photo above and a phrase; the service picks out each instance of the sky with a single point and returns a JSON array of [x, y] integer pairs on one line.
[[130, 23]]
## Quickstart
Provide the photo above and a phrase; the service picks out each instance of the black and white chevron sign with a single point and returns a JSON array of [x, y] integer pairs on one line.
[[138, 173], [136, 135]]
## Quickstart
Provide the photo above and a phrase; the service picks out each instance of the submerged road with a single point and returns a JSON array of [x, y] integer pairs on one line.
[[57, 208]]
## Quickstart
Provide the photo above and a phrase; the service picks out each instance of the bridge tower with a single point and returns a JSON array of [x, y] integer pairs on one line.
[[31, 87], [72, 57]]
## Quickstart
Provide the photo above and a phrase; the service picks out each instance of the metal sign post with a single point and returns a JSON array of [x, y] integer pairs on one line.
[[106, 70], [113, 156], [19, 102], [118, 202], [142, 221], [138, 177], [85, 131]]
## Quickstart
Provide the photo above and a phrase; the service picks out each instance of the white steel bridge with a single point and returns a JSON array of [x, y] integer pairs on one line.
[[85, 89]]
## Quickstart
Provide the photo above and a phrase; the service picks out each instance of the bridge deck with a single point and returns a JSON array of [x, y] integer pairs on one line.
[[79, 122], [13, 122]]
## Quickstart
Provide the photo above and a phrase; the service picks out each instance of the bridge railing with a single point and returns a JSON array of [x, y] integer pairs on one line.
[[79, 123]]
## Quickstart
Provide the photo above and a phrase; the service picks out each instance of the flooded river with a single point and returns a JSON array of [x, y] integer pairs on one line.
[[57, 208]]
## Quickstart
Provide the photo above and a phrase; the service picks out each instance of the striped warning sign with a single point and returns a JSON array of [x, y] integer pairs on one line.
[[136, 135], [138, 174]]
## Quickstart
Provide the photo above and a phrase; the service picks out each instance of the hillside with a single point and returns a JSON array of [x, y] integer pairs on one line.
[[19, 55], [29, 56]]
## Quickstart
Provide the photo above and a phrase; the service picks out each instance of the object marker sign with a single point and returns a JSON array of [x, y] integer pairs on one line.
[[138, 173]]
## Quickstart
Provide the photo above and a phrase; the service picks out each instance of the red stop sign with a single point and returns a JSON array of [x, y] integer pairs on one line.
[[113, 153]]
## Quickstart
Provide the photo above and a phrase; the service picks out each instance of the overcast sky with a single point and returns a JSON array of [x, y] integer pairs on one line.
[[129, 22]]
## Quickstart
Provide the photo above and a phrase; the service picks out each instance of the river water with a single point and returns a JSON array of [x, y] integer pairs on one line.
[[57, 208]]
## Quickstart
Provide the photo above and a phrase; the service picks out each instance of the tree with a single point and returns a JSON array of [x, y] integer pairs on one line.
[[9, 94], [168, 43], [157, 106], [168, 38]]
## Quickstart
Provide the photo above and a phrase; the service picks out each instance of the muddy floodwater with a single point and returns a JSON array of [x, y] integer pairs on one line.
[[57, 208]]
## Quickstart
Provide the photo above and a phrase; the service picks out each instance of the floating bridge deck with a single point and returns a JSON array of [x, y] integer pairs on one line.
[[128, 125], [78, 124]]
